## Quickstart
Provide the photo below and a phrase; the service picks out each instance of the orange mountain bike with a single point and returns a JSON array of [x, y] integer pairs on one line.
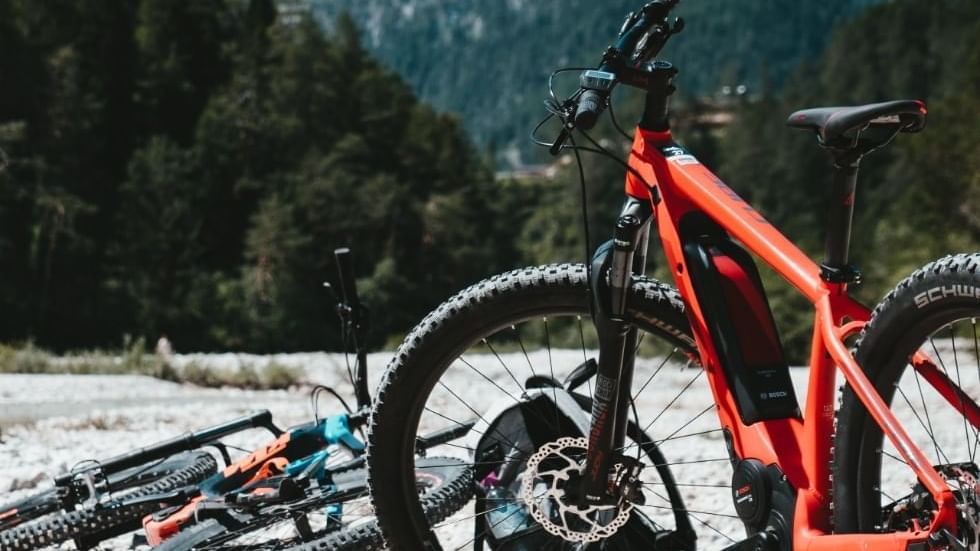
[[671, 420]]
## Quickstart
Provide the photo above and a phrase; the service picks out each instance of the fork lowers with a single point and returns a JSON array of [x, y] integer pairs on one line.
[[613, 266]]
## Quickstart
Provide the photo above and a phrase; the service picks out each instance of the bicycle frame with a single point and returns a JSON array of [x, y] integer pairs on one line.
[[298, 452], [680, 185]]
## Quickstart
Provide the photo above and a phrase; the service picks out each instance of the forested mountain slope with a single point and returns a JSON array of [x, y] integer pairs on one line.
[[488, 60], [186, 166]]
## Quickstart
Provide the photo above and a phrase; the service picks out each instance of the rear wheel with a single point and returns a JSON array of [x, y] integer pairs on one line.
[[934, 311], [474, 359], [40, 521]]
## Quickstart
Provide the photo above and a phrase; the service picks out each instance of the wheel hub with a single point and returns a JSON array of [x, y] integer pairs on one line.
[[963, 479], [915, 510], [546, 489]]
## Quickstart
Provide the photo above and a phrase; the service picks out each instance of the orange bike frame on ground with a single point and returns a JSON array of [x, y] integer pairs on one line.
[[800, 447]]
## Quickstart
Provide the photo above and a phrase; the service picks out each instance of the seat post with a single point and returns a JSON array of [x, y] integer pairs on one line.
[[835, 267], [849, 133]]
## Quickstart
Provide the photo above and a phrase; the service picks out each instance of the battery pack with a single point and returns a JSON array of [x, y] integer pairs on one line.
[[742, 328]]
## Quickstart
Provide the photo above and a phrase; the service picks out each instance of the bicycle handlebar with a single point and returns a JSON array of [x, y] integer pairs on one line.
[[352, 313], [649, 22], [590, 105], [348, 284], [651, 14], [182, 443], [261, 419]]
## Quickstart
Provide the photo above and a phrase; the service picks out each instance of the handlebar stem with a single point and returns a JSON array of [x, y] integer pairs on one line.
[[659, 76]]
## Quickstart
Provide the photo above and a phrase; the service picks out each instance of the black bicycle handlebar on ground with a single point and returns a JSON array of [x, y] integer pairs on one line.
[[182, 443]]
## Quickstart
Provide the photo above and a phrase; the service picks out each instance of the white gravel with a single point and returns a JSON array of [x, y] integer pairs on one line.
[[50, 422]]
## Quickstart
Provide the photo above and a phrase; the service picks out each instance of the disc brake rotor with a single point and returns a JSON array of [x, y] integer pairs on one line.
[[545, 493]]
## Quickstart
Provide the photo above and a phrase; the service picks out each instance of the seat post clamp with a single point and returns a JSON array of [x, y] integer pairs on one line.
[[848, 273]]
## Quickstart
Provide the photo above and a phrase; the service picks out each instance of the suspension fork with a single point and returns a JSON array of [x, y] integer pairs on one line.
[[613, 266]]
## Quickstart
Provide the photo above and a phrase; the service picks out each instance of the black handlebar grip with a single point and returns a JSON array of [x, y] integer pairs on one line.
[[590, 106], [345, 269]]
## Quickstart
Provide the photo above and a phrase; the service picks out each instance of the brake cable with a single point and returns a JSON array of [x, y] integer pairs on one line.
[[585, 214], [612, 117]]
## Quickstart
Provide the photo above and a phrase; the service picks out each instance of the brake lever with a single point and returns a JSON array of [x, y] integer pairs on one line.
[[565, 112], [655, 39], [555, 148], [631, 19], [678, 26]]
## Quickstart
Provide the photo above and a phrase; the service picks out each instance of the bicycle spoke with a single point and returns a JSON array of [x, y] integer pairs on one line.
[[939, 452], [688, 511], [655, 371], [695, 517], [491, 381], [460, 446], [959, 384], [672, 436], [690, 484], [512, 397], [639, 342], [502, 364], [692, 461], [470, 517], [656, 525], [893, 456], [976, 345], [480, 415], [438, 465], [520, 341], [976, 351], [925, 409], [585, 357], [494, 525], [671, 403], [481, 433], [551, 368], [710, 527]]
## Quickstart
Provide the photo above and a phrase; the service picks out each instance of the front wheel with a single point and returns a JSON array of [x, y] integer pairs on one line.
[[488, 358], [42, 520], [932, 313]]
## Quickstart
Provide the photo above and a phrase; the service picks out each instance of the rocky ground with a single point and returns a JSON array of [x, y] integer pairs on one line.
[[51, 422]]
